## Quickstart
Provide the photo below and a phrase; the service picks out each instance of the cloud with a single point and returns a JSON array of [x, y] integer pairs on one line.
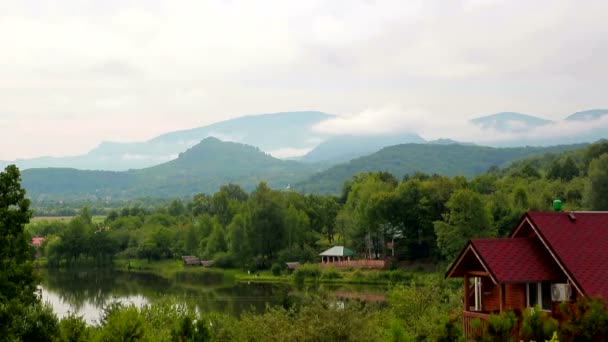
[[387, 119], [289, 152], [138, 68], [431, 126]]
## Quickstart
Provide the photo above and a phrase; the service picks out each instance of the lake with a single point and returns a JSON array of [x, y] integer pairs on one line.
[[87, 292]]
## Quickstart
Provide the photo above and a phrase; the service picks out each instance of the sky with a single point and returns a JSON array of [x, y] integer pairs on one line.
[[75, 73]]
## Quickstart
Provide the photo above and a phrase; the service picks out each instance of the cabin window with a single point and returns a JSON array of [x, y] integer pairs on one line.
[[539, 294]]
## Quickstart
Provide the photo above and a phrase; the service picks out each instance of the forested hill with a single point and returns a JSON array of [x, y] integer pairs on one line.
[[212, 163], [448, 160], [203, 168]]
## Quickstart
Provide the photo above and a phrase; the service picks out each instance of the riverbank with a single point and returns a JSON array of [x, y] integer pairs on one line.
[[172, 268]]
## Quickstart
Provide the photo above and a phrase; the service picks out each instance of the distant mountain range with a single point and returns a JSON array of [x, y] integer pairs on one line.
[[202, 168], [269, 132], [341, 149], [212, 163], [292, 135], [509, 121]]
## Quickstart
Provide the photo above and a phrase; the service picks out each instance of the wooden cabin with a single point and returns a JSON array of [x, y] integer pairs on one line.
[[190, 260], [549, 258]]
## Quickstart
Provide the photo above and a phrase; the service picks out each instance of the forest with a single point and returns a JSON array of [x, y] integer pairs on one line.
[[429, 217]]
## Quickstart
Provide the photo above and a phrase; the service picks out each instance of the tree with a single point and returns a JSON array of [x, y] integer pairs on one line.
[[597, 186], [17, 282], [467, 218], [267, 221], [216, 242], [237, 238], [565, 170]]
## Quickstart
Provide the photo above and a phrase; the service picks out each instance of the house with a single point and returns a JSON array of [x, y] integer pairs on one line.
[[291, 266], [190, 260], [550, 257]]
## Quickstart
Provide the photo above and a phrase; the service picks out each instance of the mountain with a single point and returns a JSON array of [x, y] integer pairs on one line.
[[447, 142], [202, 168], [587, 115], [340, 149], [269, 132], [448, 160], [509, 121]]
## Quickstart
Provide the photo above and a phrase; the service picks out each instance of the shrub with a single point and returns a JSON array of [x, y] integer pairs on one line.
[[450, 330], [223, 260], [276, 269], [331, 273], [73, 329], [399, 276], [501, 327], [38, 323], [191, 330], [537, 325], [123, 324], [585, 320], [307, 271]]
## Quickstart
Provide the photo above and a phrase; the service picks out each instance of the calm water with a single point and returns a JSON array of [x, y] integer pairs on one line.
[[87, 292]]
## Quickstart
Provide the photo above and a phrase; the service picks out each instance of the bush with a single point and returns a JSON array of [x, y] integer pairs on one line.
[[450, 330], [331, 273], [123, 324], [73, 329], [187, 329], [307, 271], [276, 269], [537, 325], [399, 276], [223, 260], [38, 323], [501, 327], [585, 320]]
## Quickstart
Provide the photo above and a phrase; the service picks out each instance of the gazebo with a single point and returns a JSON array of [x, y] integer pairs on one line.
[[336, 253]]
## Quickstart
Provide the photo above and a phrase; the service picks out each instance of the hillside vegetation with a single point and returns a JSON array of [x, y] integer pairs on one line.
[[446, 160]]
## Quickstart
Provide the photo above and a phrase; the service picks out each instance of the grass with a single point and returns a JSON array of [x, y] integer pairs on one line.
[[37, 219], [171, 268]]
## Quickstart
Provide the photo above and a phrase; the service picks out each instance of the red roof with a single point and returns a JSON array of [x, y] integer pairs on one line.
[[517, 260], [579, 240], [37, 241]]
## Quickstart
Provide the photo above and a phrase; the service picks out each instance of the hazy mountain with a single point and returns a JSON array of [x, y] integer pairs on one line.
[[202, 168], [509, 121], [587, 115], [269, 132], [340, 149], [448, 160], [447, 142]]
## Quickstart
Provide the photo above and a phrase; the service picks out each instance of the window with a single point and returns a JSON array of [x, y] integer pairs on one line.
[[539, 294]]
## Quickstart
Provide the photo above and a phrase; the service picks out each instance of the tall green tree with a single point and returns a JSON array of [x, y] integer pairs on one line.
[[467, 218], [267, 221], [17, 281], [597, 186]]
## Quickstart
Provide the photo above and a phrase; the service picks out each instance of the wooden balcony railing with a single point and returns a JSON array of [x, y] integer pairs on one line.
[[467, 317]]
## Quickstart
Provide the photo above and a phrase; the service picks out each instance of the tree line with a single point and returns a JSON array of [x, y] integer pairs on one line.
[[424, 217]]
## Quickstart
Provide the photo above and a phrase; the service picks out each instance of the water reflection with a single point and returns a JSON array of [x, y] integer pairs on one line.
[[87, 292]]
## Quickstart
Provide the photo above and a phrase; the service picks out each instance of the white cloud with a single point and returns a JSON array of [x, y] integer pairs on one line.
[[289, 152], [129, 70]]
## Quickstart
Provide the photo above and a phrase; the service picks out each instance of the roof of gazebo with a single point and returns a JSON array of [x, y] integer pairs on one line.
[[338, 251]]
